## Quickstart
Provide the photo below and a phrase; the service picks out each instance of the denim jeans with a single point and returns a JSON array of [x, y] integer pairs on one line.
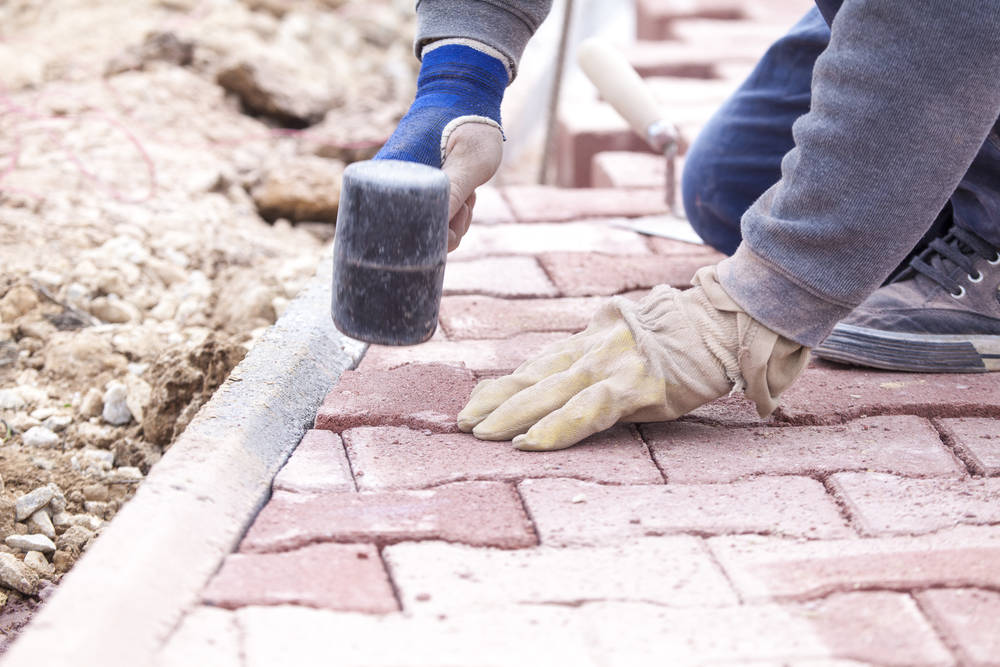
[[737, 156]]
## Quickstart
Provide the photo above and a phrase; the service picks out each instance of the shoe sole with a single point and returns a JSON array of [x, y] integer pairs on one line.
[[919, 353]]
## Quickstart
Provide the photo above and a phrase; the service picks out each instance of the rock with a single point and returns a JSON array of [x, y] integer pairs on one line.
[[38, 329], [49, 279], [306, 188], [8, 515], [33, 501], [88, 521], [93, 435], [19, 300], [126, 475], [137, 453], [39, 436], [83, 357], [61, 519], [270, 88], [74, 540], [36, 561], [114, 310], [92, 403], [16, 575], [99, 508], [95, 492], [62, 561], [137, 396], [41, 522], [11, 400], [33, 542], [116, 410], [159, 46], [58, 502], [182, 381], [96, 461], [57, 423], [31, 394]]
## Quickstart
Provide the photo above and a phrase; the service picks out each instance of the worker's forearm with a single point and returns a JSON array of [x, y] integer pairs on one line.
[[505, 25], [902, 100]]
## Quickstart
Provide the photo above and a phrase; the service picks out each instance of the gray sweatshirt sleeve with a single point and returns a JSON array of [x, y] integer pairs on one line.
[[505, 25], [902, 100]]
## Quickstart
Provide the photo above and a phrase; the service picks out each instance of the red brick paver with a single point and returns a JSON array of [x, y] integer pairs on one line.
[[348, 577], [443, 578], [476, 513], [970, 621], [479, 356], [697, 453], [541, 203], [466, 317], [886, 504], [829, 393], [594, 274], [977, 441], [764, 568], [319, 465], [395, 458], [422, 396], [498, 276], [570, 512], [549, 237]]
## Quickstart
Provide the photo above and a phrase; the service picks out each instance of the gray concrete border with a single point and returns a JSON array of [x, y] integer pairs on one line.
[[133, 585]]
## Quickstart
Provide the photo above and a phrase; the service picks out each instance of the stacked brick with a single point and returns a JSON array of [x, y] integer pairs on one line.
[[861, 523]]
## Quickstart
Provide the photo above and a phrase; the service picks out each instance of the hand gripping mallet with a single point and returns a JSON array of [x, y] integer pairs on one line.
[[389, 251], [623, 88]]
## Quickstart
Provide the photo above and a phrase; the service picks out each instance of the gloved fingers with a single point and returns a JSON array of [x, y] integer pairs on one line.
[[472, 156], [594, 409], [488, 395], [522, 410]]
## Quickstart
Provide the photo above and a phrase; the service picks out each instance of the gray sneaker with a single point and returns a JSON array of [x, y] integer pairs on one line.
[[940, 315]]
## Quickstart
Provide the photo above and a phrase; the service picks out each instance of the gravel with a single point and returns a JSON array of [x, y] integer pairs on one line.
[[171, 172]]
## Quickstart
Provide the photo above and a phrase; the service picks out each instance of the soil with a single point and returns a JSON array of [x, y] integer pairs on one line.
[[169, 173]]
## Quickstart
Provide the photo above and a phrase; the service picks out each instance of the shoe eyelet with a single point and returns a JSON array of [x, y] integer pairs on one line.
[[960, 294], [996, 258], [978, 278]]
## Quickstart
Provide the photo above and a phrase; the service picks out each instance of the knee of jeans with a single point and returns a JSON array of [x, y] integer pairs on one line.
[[703, 206]]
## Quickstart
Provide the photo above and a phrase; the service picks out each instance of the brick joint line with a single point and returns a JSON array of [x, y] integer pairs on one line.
[[958, 451], [943, 636]]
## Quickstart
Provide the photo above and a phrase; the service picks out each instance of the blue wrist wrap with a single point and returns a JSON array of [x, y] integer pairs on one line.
[[455, 80]]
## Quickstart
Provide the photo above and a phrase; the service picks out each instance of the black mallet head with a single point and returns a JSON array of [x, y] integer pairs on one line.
[[389, 251]]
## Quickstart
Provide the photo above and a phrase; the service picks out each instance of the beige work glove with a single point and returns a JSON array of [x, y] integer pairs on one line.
[[654, 360]]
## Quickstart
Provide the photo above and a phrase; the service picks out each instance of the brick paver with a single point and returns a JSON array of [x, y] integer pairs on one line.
[[347, 577], [541, 203], [571, 512], [655, 18], [883, 504], [594, 274], [422, 396], [491, 208], [479, 356], [764, 568], [206, 636], [970, 621], [542, 237], [698, 453], [829, 393], [446, 578], [625, 169], [318, 464], [977, 441], [464, 317], [395, 458], [476, 513], [497, 276]]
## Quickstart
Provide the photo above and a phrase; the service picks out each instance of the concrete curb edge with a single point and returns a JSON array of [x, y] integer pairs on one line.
[[124, 597]]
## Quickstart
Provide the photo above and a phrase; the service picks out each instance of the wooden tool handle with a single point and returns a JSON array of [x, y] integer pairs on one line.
[[619, 84]]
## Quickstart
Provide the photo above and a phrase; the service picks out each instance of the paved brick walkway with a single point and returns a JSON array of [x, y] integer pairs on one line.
[[859, 525]]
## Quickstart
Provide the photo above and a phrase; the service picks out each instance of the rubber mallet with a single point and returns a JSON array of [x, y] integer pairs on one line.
[[389, 251]]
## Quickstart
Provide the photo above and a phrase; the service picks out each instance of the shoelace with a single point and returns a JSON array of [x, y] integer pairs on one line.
[[961, 247]]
